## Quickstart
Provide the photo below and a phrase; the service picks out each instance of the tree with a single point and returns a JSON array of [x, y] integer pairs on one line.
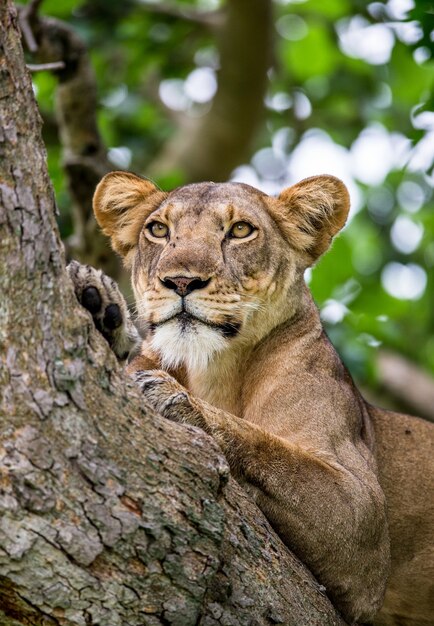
[[110, 515]]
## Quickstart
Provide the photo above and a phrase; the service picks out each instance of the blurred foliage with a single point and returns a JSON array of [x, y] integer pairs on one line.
[[326, 76]]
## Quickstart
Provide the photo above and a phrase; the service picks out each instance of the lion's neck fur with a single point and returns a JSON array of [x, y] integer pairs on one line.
[[221, 383]]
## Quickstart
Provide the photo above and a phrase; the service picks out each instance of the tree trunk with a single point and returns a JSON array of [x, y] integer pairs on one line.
[[212, 146], [110, 514]]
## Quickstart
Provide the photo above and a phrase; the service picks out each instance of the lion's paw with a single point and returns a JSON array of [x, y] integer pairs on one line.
[[167, 396], [100, 295]]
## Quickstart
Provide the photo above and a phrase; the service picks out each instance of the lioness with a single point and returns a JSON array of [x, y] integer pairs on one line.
[[234, 344]]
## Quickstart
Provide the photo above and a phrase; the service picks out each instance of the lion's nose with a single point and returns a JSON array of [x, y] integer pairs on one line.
[[183, 285]]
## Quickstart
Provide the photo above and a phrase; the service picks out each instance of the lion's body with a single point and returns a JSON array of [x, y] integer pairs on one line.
[[230, 318], [404, 450]]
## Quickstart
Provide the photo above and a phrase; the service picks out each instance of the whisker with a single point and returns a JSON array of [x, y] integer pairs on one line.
[[152, 301]]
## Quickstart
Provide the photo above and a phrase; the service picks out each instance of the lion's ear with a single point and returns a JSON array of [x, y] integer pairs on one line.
[[122, 201], [313, 211]]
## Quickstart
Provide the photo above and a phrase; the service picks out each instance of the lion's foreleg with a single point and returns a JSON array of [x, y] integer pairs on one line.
[[331, 516]]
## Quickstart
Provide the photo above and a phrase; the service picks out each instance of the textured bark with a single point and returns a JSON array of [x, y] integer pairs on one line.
[[110, 515]]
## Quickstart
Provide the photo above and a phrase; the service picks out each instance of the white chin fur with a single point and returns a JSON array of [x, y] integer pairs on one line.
[[192, 346]]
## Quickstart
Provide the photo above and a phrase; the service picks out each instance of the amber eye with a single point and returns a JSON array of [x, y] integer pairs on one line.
[[158, 229], [240, 230]]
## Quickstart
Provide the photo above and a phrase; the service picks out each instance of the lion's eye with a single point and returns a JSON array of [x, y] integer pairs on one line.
[[158, 229], [240, 230]]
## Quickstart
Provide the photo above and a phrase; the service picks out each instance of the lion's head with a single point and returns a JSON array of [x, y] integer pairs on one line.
[[215, 264]]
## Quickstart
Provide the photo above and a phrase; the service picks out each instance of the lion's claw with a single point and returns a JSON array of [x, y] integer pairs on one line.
[[166, 396]]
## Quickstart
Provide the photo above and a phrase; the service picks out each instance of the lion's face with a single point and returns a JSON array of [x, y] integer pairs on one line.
[[208, 258], [211, 262]]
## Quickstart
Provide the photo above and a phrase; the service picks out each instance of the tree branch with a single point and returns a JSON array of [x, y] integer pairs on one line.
[[407, 382], [209, 19], [26, 15], [46, 67]]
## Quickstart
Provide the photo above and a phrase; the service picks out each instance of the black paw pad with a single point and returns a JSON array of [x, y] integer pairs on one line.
[[91, 300], [112, 317]]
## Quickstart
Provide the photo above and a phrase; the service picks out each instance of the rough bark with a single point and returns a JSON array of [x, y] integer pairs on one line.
[[110, 515]]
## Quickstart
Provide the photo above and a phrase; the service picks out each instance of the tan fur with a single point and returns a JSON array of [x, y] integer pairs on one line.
[[335, 476]]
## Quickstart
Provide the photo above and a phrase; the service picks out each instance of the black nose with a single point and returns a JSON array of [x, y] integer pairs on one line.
[[183, 285]]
